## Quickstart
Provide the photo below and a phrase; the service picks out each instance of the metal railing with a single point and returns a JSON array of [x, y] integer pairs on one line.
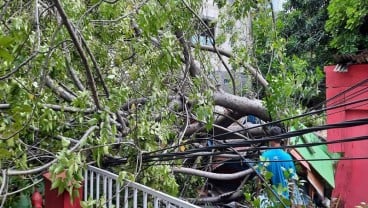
[[100, 184]]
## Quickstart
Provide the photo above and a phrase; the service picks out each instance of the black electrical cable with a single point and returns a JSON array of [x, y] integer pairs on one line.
[[298, 116], [182, 155], [341, 93], [232, 161], [272, 123], [282, 136]]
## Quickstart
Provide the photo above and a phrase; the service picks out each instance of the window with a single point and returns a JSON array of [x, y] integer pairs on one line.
[[204, 35]]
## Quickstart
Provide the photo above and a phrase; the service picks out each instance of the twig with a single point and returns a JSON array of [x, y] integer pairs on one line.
[[18, 67], [22, 189], [38, 31]]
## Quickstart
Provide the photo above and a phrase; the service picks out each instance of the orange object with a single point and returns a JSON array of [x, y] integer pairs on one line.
[[36, 199], [54, 200]]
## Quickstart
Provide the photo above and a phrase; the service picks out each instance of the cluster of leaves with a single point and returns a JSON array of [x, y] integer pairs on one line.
[[348, 25], [136, 58], [67, 174], [160, 177], [288, 71], [302, 23], [38, 60]]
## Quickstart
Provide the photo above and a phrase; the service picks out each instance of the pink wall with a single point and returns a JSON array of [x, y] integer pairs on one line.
[[351, 177]]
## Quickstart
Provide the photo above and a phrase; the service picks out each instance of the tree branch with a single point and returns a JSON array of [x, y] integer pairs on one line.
[[71, 71], [98, 70], [241, 104], [70, 29], [58, 90], [255, 72], [213, 44], [12, 172], [216, 176]]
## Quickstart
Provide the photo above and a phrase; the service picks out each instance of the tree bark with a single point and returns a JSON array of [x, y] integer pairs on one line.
[[242, 105]]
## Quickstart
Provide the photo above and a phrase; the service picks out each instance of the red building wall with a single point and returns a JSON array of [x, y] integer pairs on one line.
[[351, 177]]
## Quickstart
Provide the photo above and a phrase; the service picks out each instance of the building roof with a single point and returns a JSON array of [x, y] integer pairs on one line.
[[317, 156]]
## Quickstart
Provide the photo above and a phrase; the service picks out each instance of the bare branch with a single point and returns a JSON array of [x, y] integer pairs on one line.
[[58, 90], [216, 176], [255, 72]]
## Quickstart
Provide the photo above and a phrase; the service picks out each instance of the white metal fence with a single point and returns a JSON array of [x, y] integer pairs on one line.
[[101, 184]]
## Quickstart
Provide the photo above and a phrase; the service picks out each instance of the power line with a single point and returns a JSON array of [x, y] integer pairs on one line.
[[232, 161], [341, 93], [205, 151], [272, 138], [294, 117], [275, 122]]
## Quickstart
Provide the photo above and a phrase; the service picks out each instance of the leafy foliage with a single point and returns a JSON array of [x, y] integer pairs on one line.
[[285, 57], [87, 81], [302, 25], [347, 24]]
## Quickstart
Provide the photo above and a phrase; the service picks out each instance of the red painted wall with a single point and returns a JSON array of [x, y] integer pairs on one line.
[[54, 200], [351, 177]]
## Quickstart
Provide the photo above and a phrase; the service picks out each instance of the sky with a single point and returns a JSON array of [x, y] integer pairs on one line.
[[277, 4]]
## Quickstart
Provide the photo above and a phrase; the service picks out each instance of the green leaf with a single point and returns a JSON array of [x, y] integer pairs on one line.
[[5, 41], [65, 142], [61, 188], [56, 183], [5, 55]]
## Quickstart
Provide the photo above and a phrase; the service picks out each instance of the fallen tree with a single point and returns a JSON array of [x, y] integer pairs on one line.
[[118, 80]]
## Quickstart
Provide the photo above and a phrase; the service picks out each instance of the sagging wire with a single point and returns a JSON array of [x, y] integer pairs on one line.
[[341, 93], [202, 152], [272, 123], [344, 124], [264, 161]]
